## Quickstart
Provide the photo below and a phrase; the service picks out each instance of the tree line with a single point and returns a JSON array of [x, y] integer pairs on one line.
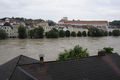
[[54, 33]]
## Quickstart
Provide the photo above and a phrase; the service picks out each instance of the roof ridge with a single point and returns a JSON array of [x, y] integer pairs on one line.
[[15, 67], [69, 59]]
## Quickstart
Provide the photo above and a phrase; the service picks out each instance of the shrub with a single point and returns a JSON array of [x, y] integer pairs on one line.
[[108, 50], [76, 52], [22, 32], [53, 33], [105, 33], [31, 33], [73, 34], [3, 34], [61, 33], [36, 33], [95, 32], [116, 33]]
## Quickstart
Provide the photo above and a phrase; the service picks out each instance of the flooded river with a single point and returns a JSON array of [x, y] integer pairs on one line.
[[11, 48]]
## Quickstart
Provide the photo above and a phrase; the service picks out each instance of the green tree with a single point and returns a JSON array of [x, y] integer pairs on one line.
[[116, 33], [108, 50], [67, 33], [79, 34], [31, 33], [3, 34], [51, 23], [105, 33], [22, 32], [73, 34], [76, 52], [95, 32], [84, 33], [61, 33], [38, 32], [53, 33]]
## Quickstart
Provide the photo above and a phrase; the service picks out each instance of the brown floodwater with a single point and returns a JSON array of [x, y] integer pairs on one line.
[[11, 48]]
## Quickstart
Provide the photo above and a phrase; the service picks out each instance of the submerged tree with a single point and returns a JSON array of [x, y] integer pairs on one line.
[[116, 33], [95, 32], [3, 34], [61, 33], [22, 32], [38, 32], [53, 33]]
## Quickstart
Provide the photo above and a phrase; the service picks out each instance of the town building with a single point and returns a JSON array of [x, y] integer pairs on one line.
[[2, 22], [11, 30], [83, 24], [92, 68]]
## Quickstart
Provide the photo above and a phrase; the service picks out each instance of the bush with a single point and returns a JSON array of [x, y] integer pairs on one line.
[[36, 33], [116, 33], [67, 33], [105, 33], [84, 33], [108, 50], [22, 32], [73, 34], [61, 33], [53, 33], [76, 52], [95, 32], [3, 34], [79, 34], [31, 33]]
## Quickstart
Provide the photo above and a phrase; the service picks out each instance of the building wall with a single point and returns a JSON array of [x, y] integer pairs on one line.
[[12, 32]]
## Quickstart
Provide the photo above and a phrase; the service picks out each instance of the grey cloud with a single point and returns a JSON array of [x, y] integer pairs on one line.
[[56, 9]]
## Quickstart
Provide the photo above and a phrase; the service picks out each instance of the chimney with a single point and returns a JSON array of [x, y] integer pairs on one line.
[[41, 56], [101, 52]]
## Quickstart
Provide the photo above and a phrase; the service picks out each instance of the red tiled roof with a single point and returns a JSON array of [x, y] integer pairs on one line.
[[86, 22], [61, 20]]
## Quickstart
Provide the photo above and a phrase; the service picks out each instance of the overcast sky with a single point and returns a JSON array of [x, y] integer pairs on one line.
[[56, 9]]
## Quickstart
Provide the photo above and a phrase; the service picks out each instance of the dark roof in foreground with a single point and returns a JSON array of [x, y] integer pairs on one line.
[[91, 68], [8, 68]]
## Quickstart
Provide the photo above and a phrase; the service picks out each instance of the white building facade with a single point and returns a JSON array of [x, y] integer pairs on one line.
[[12, 31], [83, 24]]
